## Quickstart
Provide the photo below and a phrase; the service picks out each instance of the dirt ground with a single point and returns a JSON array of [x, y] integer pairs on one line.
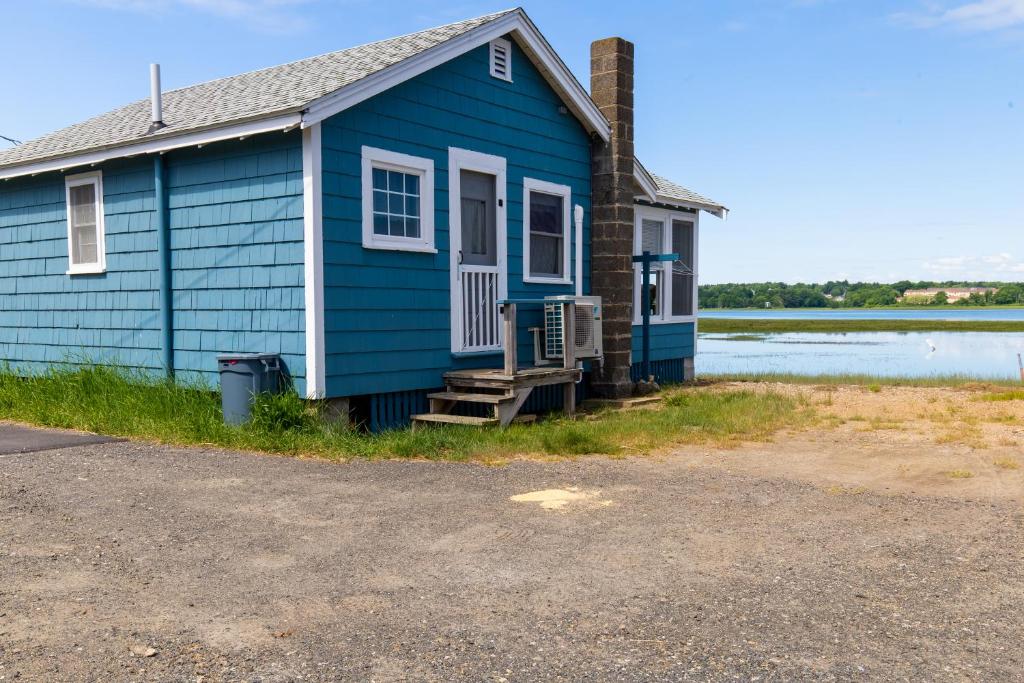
[[885, 542], [921, 441]]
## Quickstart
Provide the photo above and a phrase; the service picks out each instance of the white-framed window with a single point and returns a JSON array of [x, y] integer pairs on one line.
[[86, 240], [673, 294], [398, 201], [501, 59], [547, 245]]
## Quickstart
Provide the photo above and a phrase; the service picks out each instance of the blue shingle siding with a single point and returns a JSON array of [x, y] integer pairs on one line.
[[49, 317], [235, 211], [387, 313], [668, 341]]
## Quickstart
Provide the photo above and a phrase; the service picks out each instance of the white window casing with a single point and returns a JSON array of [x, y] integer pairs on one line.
[[417, 219], [501, 59], [662, 273], [87, 251], [564, 192]]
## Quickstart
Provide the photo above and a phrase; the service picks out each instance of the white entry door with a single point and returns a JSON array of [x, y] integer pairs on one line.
[[478, 243]]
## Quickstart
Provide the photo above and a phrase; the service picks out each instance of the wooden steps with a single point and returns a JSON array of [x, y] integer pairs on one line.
[[502, 393], [447, 418], [472, 398]]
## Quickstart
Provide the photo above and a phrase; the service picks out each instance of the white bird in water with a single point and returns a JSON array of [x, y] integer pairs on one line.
[[930, 344]]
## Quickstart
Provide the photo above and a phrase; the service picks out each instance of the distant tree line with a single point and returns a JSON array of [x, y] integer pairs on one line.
[[845, 294]]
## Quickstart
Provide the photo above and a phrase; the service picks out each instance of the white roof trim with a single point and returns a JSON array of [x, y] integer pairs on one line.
[[516, 23], [647, 184], [713, 209], [163, 144]]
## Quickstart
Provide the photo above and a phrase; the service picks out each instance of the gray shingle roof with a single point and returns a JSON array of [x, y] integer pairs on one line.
[[671, 190], [258, 94]]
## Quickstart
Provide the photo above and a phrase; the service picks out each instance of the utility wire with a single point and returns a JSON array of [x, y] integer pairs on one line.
[[10, 140]]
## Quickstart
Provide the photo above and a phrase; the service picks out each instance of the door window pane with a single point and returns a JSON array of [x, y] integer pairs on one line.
[[479, 220]]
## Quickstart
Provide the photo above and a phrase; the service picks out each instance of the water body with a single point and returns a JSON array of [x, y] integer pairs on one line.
[[985, 355], [950, 313]]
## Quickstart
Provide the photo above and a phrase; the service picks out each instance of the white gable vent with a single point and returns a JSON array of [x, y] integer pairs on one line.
[[501, 59]]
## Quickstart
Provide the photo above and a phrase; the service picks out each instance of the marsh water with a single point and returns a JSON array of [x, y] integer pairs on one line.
[[947, 313], [987, 355]]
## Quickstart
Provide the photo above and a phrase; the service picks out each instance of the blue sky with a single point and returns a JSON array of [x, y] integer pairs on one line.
[[861, 139]]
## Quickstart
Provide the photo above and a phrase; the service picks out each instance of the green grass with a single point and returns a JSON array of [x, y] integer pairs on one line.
[[874, 382], [120, 403], [1012, 395], [761, 325]]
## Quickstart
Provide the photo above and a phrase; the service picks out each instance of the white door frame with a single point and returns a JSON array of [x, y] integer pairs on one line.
[[467, 160]]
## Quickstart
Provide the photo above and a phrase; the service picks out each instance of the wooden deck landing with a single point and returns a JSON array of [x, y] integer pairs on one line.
[[524, 377]]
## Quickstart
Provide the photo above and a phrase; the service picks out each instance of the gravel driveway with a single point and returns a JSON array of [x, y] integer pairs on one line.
[[124, 561]]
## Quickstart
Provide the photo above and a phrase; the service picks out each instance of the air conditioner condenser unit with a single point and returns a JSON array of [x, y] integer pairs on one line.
[[587, 342]]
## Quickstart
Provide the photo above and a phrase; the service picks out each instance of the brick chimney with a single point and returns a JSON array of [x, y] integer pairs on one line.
[[611, 87]]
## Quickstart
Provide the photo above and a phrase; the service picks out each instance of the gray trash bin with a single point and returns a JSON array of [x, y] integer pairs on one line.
[[242, 376]]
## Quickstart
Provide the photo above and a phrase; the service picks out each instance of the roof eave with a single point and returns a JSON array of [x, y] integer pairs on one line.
[[515, 22], [714, 209], [163, 142]]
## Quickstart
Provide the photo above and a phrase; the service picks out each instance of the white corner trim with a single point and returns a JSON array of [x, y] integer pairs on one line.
[[94, 178], [565, 192], [530, 40], [160, 143], [373, 157], [313, 248]]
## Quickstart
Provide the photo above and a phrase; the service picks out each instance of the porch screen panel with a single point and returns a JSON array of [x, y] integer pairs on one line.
[[682, 270]]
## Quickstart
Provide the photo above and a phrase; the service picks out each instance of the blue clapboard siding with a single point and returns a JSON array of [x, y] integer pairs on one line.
[[236, 220], [665, 371], [668, 341], [48, 317], [388, 317], [237, 252]]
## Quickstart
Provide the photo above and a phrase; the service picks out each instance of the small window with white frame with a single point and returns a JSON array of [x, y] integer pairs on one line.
[[546, 242], [398, 201], [86, 240], [673, 285]]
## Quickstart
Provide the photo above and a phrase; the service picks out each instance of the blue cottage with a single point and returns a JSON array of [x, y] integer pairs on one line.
[[362, 213]]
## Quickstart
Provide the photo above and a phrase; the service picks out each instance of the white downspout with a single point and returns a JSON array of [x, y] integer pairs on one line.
[[578, 215]]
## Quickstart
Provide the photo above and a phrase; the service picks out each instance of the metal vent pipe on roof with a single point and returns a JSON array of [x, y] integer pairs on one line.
[[154, 97]]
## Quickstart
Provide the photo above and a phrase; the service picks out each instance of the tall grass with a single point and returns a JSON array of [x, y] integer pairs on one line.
[[122, 403]]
